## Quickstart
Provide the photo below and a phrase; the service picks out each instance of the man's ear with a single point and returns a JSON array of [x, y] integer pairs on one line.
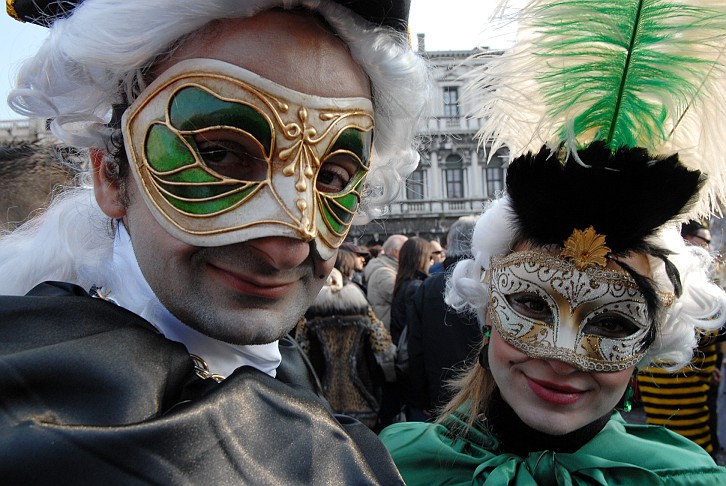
[[107, 192]]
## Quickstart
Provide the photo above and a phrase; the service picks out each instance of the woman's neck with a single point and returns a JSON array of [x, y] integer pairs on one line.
[[519, 438]]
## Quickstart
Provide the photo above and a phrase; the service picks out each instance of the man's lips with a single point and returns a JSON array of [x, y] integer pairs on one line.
[[554, 393], [253, 285]]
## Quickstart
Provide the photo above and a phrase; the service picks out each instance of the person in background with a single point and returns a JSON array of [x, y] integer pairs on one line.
[[345, 263], [414, 261], [349, 348], [413, 264], [362, 256], [145, 314], [375, 247], [441, 341], [685, 401], [380, 276], [439, 255], [697, 234]]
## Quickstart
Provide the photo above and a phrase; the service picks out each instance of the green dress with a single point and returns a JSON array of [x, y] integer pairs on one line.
[[621, 453]]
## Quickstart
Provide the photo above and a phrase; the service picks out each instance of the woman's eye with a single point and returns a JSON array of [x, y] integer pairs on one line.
[[531, 306], [610, 327], [335, 173], [233, 156]]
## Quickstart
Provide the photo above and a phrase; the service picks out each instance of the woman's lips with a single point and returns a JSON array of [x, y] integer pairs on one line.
[[253, 286], [554, 393]]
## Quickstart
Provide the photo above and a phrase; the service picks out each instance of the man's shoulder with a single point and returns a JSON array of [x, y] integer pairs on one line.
[[108, 393], [59, 323], [62, 344], [67, 309], [381, 266]]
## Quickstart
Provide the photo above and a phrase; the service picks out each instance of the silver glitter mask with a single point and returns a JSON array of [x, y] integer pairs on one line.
[[593, 318]]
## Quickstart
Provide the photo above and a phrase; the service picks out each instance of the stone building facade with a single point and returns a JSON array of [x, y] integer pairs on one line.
[[453, 178], [24, 131]]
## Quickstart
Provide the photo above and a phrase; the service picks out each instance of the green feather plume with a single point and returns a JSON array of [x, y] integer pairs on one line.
[[631, 73]]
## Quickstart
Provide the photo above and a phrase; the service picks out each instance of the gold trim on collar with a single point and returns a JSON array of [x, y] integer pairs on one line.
[[201, 368]]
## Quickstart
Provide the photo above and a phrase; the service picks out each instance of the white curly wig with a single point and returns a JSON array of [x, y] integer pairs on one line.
[[701, 306]]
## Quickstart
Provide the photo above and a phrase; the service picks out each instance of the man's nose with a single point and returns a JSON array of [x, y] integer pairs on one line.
[[281, 252]]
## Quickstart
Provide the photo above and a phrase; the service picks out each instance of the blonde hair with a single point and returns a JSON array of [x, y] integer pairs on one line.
[[472, 389]]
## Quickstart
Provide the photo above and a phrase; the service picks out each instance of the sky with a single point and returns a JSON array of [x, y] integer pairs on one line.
[[449, 25]]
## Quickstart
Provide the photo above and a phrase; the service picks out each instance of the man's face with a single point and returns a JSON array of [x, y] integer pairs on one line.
[[437, 252], [254, 291]]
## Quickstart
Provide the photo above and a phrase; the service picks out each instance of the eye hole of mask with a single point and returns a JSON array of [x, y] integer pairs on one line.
[[232, 154], [531, 306], [336, 172], [610, 326]]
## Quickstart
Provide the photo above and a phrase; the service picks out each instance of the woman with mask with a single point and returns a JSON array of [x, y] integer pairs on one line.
[[579, 274]]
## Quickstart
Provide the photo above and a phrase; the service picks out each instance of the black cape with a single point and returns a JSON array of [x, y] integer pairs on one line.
[[91, 393]]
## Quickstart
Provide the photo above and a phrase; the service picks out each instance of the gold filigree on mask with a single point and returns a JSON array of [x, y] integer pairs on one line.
[[543, 305], [296, 136], [586, 248]]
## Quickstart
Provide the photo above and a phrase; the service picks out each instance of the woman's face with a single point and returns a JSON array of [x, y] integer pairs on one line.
[[551, 395]]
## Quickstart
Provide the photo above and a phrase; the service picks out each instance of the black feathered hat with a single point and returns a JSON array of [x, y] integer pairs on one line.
[[625, 195], [391, 13]]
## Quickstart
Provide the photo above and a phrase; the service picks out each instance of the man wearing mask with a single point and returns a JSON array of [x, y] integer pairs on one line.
[[229, 144]]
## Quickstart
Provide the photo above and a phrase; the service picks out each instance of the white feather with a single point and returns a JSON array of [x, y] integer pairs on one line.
[[508, 92]]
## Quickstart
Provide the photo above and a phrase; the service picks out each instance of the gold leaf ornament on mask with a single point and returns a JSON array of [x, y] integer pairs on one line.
[[586, 248]]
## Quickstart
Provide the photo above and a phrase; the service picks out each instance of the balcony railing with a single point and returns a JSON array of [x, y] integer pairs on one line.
[[453, 124], [437, 207]]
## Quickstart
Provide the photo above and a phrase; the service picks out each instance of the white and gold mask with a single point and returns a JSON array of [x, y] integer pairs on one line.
[[549, 307], [224, 155]]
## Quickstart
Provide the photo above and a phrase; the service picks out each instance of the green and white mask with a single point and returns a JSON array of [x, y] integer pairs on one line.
[[224, 155]]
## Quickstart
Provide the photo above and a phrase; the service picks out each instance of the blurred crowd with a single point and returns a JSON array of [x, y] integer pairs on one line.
[[379, 335]]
